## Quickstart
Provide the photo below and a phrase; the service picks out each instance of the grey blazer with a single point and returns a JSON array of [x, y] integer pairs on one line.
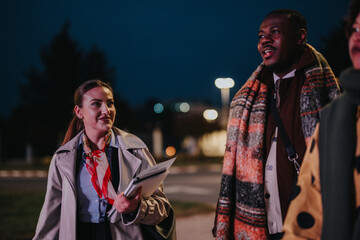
[[58, 215]]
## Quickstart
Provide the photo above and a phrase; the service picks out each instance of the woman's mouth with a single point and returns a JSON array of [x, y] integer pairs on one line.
[[105, 119], [355, 50]]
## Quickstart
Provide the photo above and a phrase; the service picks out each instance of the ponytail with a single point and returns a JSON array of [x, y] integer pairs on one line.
[[76, 125]]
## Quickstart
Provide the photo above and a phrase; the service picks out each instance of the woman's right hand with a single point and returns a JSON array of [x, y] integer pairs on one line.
[[127, 205]]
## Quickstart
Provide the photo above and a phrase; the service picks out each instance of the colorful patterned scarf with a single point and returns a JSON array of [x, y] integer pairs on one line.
[[98, 167], [241, 212]]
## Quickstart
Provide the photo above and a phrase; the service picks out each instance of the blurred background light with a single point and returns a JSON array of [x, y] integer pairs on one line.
[[210, 114], [184, 107], [158, 108], [224, 83], [170, 151]]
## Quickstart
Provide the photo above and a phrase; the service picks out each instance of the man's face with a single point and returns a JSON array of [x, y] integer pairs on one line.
[[354, 43], [279, 43]]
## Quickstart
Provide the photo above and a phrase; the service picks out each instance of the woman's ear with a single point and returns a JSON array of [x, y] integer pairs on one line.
[[78, 112], [302, 37]]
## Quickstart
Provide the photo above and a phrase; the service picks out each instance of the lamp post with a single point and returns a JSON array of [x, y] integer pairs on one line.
[[224, 84]]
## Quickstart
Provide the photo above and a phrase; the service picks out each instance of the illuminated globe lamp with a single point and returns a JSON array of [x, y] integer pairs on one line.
[[224, 84], [210, 114]]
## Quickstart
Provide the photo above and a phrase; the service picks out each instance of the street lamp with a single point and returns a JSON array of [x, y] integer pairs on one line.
[[210, 114], [224, 84]]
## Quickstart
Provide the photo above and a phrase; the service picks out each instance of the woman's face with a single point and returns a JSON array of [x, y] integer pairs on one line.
[[354, 43], [97, 111]]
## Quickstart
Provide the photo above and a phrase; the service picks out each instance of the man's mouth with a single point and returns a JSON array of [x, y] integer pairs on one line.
[[268, 52]]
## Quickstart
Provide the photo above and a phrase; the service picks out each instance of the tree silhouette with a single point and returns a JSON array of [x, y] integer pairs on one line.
[[336, 49], [46, 100]]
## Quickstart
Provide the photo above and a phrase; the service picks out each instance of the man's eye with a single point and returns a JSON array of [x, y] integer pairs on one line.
[[275, 32], [261, 36]]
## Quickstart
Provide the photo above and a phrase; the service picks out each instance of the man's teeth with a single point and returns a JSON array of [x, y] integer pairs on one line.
[[267, 51]]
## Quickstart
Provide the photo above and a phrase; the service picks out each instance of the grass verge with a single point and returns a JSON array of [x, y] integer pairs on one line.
[[19, 211]]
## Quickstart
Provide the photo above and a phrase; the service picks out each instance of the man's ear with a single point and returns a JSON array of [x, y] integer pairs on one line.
[[78, 112], [302, 37]]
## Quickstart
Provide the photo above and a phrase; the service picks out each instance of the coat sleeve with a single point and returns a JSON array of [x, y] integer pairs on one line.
[[305, 215], [49, 219], [153, 209]]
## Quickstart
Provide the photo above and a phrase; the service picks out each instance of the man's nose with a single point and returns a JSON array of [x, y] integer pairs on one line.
[[265, 39]]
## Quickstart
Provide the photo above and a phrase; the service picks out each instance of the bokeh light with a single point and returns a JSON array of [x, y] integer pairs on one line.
[[170, 151], [210, 114], [184, 107], [158, 108], [224, 83]]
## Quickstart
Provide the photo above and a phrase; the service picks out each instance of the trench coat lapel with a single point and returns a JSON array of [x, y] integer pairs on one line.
[[128, 167], [129, 163], [68, 167], [67, 163]]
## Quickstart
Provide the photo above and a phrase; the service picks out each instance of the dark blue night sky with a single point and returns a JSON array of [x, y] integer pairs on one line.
[[166, 49]]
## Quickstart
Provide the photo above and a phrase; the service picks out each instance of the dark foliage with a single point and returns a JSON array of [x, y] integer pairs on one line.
[[46, 100]]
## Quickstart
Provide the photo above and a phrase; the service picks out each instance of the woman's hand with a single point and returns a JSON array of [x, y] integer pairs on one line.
[[125, 205]]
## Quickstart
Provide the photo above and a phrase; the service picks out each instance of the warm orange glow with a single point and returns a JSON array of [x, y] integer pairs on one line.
[[170, 151]]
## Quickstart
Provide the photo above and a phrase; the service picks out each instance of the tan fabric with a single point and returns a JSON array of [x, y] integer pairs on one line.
[[58, 216], [309, 198]]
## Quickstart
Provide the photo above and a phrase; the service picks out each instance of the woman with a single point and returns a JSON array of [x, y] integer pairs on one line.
[[327, 199], [95, 162]]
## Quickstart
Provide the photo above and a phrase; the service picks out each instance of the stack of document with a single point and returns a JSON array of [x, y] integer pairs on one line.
[[149, 179]]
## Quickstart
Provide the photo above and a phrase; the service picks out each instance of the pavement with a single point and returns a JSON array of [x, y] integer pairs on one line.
[[195, 227]]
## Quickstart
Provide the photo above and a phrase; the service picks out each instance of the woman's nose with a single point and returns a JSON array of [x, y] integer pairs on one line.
[[105, 109], [356, 36]]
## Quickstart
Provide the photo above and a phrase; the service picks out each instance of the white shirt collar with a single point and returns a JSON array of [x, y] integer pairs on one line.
[[289, 75]]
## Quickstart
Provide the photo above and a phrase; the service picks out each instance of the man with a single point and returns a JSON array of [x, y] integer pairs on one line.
[[328, 197], [257, 174]]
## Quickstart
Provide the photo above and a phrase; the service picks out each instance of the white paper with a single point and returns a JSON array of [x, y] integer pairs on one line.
[[149, 179]]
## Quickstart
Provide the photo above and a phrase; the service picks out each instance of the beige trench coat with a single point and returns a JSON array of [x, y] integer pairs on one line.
[[58, 215]]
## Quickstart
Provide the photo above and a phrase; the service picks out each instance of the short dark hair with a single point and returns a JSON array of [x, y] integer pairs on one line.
[[353, 12], [295, 17]]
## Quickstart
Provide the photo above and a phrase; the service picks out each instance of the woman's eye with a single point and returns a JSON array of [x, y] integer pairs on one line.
[[97, 104], [110, 104], [355, 30]]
